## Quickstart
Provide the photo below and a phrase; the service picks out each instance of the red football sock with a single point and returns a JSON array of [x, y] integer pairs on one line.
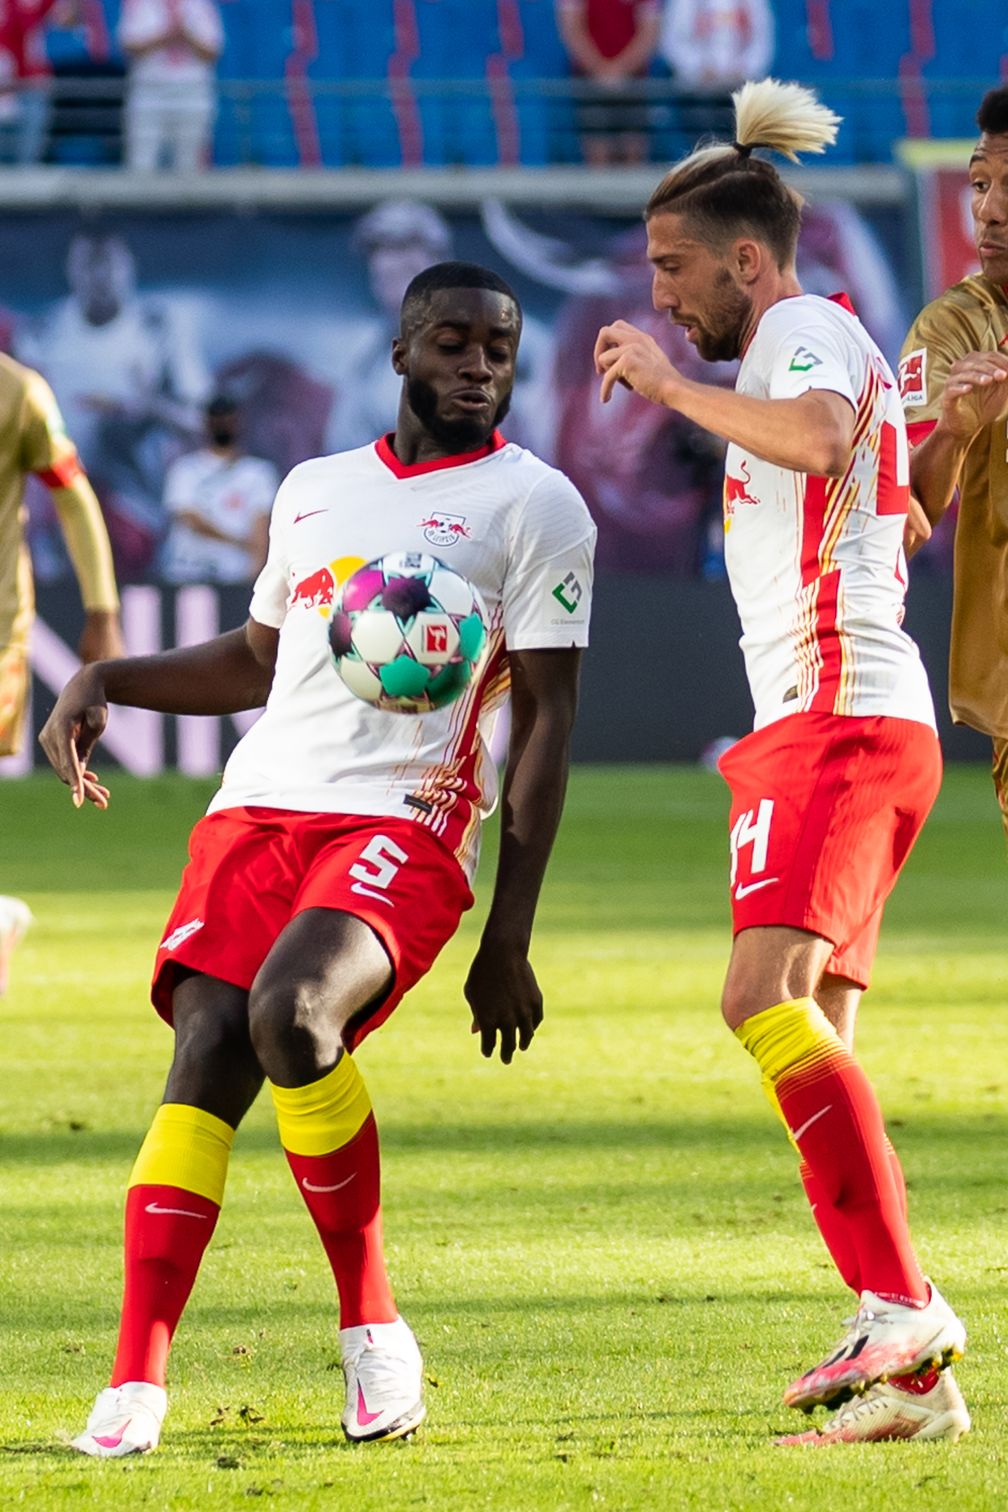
[[832, 1224], [328, 1133], [167, 1232], [836, 1124], [342, 1191]]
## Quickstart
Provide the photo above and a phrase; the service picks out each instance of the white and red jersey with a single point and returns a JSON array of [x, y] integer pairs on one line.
[[816, 564], [513, 526]]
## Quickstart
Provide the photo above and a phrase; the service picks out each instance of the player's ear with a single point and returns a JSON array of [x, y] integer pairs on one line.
[[750, 259], [399, 355]]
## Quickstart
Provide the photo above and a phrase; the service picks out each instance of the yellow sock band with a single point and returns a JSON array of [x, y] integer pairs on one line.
[[186, 1148], [789, 1034], [325, 1115]]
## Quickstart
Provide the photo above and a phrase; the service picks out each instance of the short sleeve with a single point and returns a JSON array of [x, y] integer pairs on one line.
[[269, 593], [46, 449], [934, 342], [811, 355], [548, 584]]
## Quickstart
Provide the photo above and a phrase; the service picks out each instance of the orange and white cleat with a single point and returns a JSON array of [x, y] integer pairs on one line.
[[889, 1410], [883, 1339]]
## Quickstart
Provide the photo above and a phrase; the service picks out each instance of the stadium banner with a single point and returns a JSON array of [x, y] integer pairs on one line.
[[138, 316], [943, 211], [663, 679]]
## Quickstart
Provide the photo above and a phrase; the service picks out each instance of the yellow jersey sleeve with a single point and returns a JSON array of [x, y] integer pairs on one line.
[[48, 452]]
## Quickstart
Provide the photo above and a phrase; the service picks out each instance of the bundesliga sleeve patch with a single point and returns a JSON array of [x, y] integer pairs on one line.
[[913, 378]]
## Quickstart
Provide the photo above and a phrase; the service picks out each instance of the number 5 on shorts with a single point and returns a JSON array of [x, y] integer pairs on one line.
[[384, 859], [755, 832]]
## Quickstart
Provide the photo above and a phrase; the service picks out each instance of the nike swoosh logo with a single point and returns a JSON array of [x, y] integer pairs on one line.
[[152, 1207], [308, 514], [112, 1441], [743, 892], [310, 1186], [796, 1134], [363, 1416], [369, 892]]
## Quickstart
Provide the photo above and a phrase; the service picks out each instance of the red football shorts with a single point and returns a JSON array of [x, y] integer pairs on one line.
[[825, 810], [252, 869]]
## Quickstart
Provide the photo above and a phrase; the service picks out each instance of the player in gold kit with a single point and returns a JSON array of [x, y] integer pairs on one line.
[[33, 440], [954, 386]]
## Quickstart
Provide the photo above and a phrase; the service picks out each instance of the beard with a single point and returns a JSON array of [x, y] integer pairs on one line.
[[464, 434], [720, 338]]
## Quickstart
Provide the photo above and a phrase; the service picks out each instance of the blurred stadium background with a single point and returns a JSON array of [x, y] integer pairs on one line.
[[355, 141]]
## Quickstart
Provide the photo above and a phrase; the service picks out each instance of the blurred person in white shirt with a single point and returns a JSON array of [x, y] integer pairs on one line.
[[172, 47], [711, 46], [219, 500]]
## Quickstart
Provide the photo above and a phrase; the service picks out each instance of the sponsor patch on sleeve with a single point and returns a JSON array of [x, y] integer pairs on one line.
[[913, 378]]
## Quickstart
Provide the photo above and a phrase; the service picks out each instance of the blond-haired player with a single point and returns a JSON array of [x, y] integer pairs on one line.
[[954, 385], [830, 790], [33, 440]]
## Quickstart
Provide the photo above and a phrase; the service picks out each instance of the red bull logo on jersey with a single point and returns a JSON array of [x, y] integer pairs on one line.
[[445, 529], [736, 491], [315, 591]]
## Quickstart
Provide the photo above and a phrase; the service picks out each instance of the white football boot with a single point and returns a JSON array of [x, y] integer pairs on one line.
[[384, 1381], [882, 1340], [125, 1419], [887, 1411], [15, 917]]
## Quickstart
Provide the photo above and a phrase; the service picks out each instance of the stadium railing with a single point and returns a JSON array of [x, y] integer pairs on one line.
[[500, 121]]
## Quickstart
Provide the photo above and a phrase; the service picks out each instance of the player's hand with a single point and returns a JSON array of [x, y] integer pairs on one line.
[[101, 639], [626, 355], [71, 733], [504, 996], [976, 393]]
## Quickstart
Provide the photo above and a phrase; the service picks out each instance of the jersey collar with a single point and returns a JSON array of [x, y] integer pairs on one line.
[[385, 454]]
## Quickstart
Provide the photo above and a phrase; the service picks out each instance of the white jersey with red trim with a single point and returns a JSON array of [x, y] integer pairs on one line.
[[513, 526], [816, 564]]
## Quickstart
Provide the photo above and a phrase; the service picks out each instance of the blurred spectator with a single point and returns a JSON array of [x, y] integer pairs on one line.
[[609, 42], [218, 500], [172, 47], [398, 239], [129, 375], [24, 80], [85, 125], [713, 46]]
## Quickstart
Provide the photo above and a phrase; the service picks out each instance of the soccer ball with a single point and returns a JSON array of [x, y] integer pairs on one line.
[[407, 633]]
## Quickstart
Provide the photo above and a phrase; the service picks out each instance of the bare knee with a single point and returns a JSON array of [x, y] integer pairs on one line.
[[296, 1028], [771, 965], [214, 1066]]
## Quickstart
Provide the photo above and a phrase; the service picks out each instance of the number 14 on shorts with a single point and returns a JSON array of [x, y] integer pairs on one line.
[[751, 829]]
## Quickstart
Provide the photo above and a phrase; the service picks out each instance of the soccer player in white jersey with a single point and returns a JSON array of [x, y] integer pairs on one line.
[[337, 857], [830, 790]]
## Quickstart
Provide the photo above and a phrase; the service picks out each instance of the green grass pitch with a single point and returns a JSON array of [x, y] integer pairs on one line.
[[603, 1248]]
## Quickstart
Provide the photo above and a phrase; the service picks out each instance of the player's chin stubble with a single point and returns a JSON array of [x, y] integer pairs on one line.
[[720, 339], [463, 434]]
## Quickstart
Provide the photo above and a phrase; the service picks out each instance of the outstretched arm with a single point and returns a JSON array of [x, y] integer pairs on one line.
[[812, 433], [501, 988], [221, 676]]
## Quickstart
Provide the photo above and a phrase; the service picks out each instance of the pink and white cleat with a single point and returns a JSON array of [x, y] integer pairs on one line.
[[889, 1411], [124, 1420], [384, 1381], [883, 1339]]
